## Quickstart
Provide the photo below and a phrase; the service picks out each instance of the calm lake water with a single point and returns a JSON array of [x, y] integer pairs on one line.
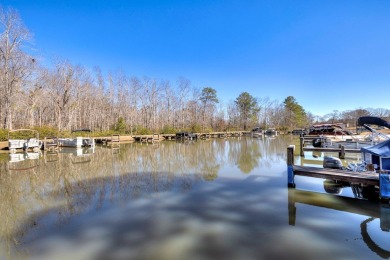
[[206, 199]]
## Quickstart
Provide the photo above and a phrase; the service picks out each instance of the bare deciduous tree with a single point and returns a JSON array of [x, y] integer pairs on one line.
[[15, 65]]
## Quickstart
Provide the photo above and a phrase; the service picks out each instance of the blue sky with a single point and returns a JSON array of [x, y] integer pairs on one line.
[[328, 54]]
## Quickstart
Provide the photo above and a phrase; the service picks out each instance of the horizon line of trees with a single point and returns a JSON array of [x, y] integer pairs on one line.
[[68, 96]]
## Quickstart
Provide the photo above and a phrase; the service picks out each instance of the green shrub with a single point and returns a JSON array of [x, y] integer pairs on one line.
[[23, 134], [120, 126], [3, 135], [282, 128], [168, 130], [46, 131], [104, 133], [196, 128], [142, 131]]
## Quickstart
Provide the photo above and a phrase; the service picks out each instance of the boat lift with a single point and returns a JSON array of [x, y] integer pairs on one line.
[[375, 134]]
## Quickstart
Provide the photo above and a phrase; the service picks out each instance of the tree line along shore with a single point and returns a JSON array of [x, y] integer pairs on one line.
[[62, 97]]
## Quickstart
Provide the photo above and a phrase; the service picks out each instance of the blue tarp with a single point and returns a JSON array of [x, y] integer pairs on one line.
[[382, 149], [384, 182]]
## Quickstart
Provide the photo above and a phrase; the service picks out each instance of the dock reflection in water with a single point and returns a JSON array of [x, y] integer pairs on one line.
[[219, 198], [370, 210]]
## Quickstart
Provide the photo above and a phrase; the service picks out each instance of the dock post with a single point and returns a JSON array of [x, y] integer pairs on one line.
[[292, 210], [301, 144], [342, 151], [385, 217], [290, 163], [384, 186]]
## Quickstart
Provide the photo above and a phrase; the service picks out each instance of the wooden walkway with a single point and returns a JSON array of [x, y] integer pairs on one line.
[[360, 178], [114, 139], [153, 138], [209, 135], [370, 178]]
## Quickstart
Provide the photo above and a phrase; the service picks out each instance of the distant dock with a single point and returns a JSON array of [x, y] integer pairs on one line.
[[154, 138]]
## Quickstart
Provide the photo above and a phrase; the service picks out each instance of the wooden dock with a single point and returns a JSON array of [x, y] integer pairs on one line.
[[361, 178], [50, 143], [153, 138], [369, 178], [114, 139], [208, 135]]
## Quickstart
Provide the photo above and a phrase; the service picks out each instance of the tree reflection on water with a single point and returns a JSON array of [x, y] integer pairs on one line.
[[205, 199], [68, 184]]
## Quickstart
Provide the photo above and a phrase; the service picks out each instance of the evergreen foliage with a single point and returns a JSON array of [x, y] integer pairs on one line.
[[247, 107], [296, 115], [121, 126]]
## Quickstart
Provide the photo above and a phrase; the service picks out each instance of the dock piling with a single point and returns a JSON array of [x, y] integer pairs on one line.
[[342, 151], [301, 144], [384, 186], [50, 143], [290, 164]]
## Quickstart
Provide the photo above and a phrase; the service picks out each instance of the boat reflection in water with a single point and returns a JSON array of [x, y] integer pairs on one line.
[[368, 192], [23, 161], [76, 155], [79, 155]]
